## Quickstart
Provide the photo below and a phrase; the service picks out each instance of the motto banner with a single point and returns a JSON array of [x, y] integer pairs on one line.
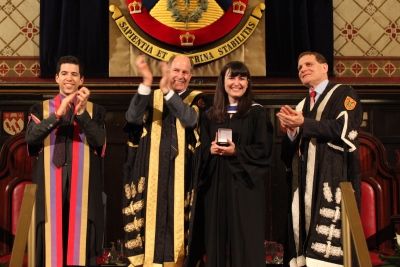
[[211, 33]]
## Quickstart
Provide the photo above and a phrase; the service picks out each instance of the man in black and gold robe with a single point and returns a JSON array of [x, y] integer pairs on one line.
[[160, 172], [322, 132]]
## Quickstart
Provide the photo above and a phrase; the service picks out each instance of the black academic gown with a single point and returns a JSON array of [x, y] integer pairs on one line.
[[331, 127], [159, 226], [234, 192], [95, 133]]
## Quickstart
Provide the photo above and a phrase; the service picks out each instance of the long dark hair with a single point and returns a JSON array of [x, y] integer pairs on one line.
[[221, 101]]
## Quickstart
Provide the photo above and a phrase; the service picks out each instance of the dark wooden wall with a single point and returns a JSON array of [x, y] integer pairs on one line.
[[381, 105]]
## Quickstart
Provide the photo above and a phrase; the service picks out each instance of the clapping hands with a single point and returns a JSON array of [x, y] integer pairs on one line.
[[289, 118]]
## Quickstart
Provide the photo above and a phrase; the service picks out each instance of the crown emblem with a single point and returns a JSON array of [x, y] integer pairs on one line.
[[187, 39], [135, 7], [238, 7]]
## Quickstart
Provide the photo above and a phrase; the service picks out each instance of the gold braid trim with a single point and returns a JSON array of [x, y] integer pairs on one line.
[[152, 179]]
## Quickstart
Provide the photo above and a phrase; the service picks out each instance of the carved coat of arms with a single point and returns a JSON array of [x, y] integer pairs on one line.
[[13, 122]]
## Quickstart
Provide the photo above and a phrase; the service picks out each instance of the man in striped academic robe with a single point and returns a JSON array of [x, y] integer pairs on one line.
[[66, 135]]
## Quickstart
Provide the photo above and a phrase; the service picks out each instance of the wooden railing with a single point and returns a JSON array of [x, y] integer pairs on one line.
[[24, 223], [352, 229]]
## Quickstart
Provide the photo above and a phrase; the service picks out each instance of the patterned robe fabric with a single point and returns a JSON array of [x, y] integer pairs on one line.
[[160, 189], [326, 153]]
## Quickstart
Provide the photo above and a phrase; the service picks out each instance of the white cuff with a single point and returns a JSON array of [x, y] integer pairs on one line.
[[144, 90], [169, 95], [293, 134]]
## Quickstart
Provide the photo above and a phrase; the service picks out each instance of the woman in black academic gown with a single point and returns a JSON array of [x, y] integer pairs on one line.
[[234, 167]]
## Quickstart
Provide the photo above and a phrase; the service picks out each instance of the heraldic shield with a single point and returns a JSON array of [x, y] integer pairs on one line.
[[187, 23], [13, 122]]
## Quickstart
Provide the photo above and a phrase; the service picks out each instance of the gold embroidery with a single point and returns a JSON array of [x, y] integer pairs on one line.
[[126, 211], [141, 185], [136, 225], [131, 144], [127, 189], [191, 148], [134, 243], [133, 190], [191, 197], [187, 200], [144, 132], [196, 131], [133, 208]]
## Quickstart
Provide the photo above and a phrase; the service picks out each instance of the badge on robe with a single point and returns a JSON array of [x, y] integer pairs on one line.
[[349, 103]]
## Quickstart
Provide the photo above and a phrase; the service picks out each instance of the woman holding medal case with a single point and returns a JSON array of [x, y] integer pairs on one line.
[[235, 161]]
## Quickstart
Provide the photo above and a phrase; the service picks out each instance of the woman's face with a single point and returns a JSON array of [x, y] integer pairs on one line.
[[235, 87]]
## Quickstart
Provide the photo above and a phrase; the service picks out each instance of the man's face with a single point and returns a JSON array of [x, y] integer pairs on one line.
[[180, 73], [69, 79], [311, 72]]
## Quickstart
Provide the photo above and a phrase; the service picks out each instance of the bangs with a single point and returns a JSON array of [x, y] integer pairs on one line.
[[237, 68]]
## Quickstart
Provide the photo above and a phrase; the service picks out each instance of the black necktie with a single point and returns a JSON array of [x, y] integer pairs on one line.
[[59, 153]]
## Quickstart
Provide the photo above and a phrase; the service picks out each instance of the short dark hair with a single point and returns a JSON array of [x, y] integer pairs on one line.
[[319, 57], [69, 60]]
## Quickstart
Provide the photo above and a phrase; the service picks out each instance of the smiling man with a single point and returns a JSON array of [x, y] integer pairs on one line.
[[66, 136], [322, 136], [160, 171]]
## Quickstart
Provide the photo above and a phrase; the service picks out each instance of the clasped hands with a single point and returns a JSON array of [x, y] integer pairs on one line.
[[78, 99], [290, 119], [228, 150], [144, 70]]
